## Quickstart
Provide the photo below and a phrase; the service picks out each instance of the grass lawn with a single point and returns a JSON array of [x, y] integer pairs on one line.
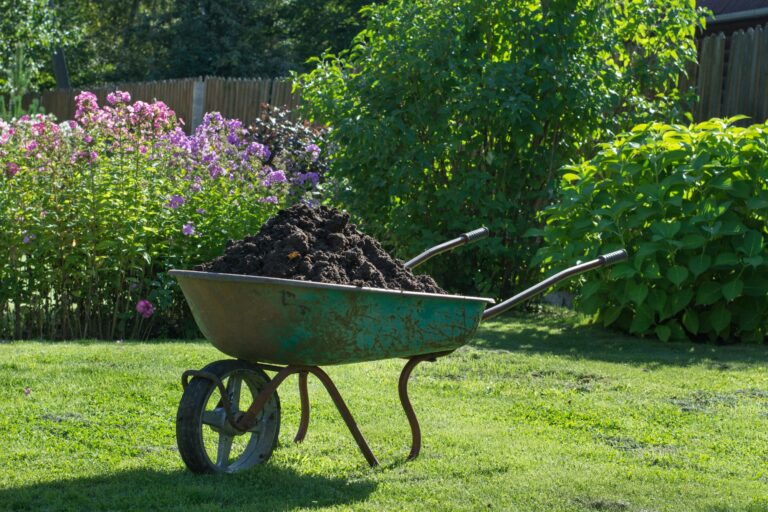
[[536, 414]]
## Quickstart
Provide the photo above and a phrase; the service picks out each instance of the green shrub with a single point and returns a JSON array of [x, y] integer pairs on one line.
[[455, 113], [691, 206]]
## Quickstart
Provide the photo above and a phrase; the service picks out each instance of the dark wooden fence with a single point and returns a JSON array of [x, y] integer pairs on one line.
[[190, 98], [731, 79], [732, 76]]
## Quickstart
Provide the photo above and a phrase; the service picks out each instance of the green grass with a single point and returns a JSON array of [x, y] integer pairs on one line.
[[536, 414]]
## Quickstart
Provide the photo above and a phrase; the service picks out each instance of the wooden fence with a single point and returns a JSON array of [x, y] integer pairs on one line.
[[731, 79], [190, 98], [732, 76]]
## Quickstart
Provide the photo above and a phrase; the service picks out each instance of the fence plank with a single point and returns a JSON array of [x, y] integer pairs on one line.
[[710, 77]]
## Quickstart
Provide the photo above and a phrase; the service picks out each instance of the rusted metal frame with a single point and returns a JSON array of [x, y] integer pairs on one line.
[[247, 421], [304, 395], [249, 418], [224, 401], [402, 388], [345, 414]]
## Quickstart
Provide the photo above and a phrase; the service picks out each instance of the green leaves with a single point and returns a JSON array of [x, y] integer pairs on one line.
[[699, 264], [677, 274], [695, 225], [449, 112]]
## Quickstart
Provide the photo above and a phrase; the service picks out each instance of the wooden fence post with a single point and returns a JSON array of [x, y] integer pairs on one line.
[[198, 103]]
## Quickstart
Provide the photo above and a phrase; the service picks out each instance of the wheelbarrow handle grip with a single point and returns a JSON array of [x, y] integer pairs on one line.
[[600, 261], [466, 238], [613, 257], [475, 235]]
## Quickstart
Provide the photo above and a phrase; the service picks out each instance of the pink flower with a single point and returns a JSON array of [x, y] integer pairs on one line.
[[38, 129], [118, 97], [11, 169], [145, 308]]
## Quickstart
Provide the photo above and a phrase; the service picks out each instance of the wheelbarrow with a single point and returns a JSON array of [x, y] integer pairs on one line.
[[229, 414]]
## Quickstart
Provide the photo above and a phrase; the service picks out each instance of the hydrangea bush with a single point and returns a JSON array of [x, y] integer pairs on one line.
[[95, 211], [690, 204]]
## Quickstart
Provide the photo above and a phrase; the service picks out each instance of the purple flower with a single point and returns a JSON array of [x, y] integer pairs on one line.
[[215, 170], [27, 237], [188, 229], [31, 146], [175, 202], [268, 199], [88, 139], [259, 150], [273, 177], [201, 211], [314, 150], [11, 169], [195, 187], [302, 178], [145, 308]]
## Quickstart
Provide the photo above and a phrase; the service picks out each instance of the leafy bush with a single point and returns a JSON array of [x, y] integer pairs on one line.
[[691, 206], [93, 212], [455, 113]]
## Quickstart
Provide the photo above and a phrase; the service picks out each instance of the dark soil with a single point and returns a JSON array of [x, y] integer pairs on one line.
[[317, 244]]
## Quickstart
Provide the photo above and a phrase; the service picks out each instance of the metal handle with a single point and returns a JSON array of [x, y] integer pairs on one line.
[[614, 257], [600, 261], [477, 234], [466, 238]]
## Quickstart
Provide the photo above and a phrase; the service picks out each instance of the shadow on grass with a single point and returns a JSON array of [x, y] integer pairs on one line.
[[558, 333], [266, 487]]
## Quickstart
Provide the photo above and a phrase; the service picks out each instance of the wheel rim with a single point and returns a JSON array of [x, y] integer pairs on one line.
[[226, 449]]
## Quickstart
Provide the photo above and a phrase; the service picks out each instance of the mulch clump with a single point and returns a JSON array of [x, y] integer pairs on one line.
[[317, 244]]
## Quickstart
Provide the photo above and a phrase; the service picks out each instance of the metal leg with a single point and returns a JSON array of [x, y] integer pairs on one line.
[[283, 372], [247, 421], [344, 411], [304, 394], [407, 407]]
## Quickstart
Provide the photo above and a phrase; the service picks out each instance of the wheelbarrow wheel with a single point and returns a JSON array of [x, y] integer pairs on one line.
[[207, 442]]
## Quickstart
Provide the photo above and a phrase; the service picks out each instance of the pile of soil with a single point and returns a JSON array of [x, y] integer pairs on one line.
[[317, 244]]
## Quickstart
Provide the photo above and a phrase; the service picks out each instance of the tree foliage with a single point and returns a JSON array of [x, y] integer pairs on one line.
[[454, 113], [159, 39], [30, 27], [691, 206]]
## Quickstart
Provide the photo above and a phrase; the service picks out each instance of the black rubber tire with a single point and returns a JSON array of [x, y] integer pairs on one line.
[[189, 426]]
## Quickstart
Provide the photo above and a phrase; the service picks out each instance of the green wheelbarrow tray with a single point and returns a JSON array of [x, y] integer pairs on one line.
[[285, 321], [229, 414]]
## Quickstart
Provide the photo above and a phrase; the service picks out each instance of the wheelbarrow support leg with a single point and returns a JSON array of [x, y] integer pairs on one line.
[[304, 395], [344, 411], [407, 407]]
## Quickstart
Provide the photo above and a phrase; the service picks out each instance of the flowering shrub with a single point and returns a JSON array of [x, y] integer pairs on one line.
[[94, 211], [296, 148]]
